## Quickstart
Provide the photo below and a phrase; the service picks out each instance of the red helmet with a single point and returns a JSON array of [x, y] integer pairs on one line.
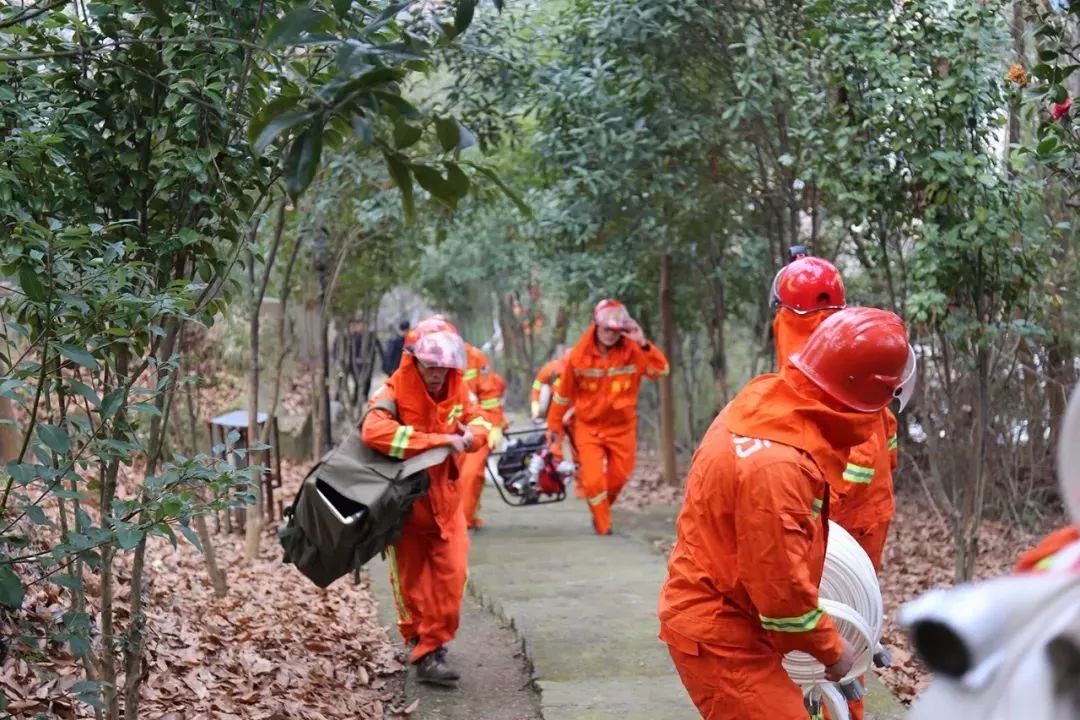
[[808, 284], [860, 356], [435, 323], [611, 315]]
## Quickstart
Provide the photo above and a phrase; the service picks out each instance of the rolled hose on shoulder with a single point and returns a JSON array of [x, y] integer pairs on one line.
[[850, 594]]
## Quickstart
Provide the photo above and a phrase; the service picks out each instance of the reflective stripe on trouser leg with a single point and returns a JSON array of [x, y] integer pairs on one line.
[[593, 478]]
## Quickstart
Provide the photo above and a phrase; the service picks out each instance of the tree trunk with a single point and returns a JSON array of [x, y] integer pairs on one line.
[[667, 390], [9, 434], [254, 513]]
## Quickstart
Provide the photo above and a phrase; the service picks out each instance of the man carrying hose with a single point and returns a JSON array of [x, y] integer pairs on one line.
[[742, 586]]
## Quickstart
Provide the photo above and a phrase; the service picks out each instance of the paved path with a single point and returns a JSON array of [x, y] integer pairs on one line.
[[584, 608]]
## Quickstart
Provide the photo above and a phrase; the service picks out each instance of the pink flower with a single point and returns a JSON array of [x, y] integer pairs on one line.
[[1061, 109]]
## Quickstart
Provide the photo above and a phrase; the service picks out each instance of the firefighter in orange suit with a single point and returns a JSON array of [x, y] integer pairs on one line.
[[486, 389], [742, 585], [601, 382], [547, 376], [428, 565], [804, 293]]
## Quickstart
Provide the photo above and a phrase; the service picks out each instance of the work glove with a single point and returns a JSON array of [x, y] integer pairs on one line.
[[534, 408], [495, 438], [635, 334]]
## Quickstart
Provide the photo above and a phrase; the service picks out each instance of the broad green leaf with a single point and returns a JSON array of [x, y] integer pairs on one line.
[[399, 171], [303, 160], [448, 132], [458, 180], [276, 126], [405, 135], [463, 15], [86, 391], [111, 403], [30, 284], [294, 24], [56, 438], [430, 179], [128, 537], [341, 7], [78, 356], [11, 589], [1047, 146], [268, 112], [69, 580], [190, 535]]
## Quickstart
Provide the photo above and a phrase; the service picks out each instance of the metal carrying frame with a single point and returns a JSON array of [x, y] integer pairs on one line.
[[509, 498]]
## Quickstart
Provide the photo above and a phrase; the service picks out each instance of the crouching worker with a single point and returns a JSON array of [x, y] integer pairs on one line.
[[742, 586], [429, 563]]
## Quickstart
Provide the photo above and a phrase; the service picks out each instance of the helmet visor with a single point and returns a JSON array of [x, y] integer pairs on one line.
[[906, 388]]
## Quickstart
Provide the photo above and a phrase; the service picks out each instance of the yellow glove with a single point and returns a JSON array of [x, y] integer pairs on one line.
[[495, 438]]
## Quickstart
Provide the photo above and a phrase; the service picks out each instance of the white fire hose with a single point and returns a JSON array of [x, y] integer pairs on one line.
[[850, 594]]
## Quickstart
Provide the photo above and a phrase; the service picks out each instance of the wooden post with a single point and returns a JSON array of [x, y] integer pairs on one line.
[[667, 390]]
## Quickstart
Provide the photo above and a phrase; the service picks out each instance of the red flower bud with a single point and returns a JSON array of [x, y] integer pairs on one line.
[[1061, 109]]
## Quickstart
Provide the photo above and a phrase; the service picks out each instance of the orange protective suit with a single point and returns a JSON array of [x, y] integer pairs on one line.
[[602, 386], [742, 586], [486, 389], [548, 374], [1040, 556], [862, 496], [429, 564]]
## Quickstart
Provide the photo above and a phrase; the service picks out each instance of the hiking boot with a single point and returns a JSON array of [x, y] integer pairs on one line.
[[433, 669]]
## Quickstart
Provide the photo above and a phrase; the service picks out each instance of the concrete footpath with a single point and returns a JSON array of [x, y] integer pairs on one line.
[[584, 610]]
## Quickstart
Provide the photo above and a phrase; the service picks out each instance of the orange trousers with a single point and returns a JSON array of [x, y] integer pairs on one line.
[[735, 682], [605, 459], [428, 574], [471, 479]]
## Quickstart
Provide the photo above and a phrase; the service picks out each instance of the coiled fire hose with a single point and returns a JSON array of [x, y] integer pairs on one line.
[[850, 594]]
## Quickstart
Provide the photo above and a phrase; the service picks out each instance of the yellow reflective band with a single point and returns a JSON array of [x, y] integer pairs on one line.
[[859, 474], [624, 370], [537, 385], [815, 508], [471, 374], [561, 400], [893, 444], [589, 372], [597, 499], [482, 423], [455, 413], [395, 584], [1045, 563], [801, 623], [400, 442], [490, 403]]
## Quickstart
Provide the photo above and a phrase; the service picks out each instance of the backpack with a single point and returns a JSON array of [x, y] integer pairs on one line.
[[352, 504]]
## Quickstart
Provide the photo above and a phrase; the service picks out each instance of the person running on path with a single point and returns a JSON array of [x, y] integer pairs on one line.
[[600, 383], [486, 389], [429, 563], [546, 378], [742, 585]]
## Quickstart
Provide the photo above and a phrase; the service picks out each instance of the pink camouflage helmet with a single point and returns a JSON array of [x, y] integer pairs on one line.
[[611, 315], [436, 343]]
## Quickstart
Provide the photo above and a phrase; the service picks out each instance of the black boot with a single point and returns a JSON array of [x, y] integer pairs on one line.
[[433, 669]]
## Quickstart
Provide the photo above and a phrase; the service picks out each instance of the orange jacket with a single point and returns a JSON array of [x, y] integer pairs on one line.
[[862, 494], [423, 423], [1039, 557], [751, 535], [547, 376], [485, 385], [603, 386]]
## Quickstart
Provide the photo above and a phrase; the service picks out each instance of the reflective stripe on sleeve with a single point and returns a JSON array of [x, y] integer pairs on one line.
[[400, 442], [858, 474], [800, 623]]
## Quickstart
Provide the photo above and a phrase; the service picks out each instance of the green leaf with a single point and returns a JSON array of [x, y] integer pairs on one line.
[[111, 403], [294, 24], [430, 179], [365, 131], [458, 180], [303, 160], [1047, 146], [399, 171], [341, 7], [129, 536], [405, 135], [79, 356], [69, 580], [30, 284], [513, 196], [275, 127], [146, 409], [463, 16], [499, 5], [11, 589], [56, 438], [86, 391], [448, 132], [190, 535]]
